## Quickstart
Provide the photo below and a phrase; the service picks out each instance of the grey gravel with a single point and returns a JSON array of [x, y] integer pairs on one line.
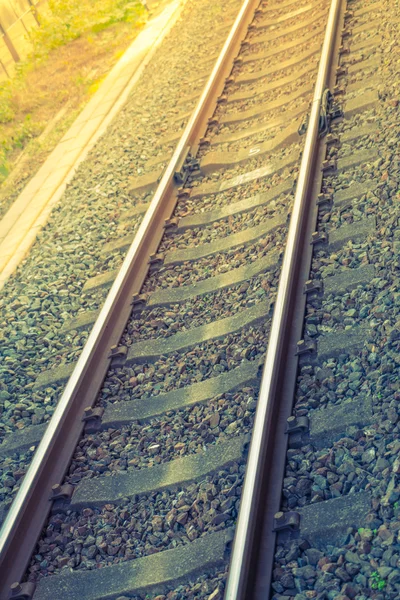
[[187, 273], [279, 57], [279, 74], [257, 46], [208, 587], [367, 564], [165, 438], [95, 538], [180, 369], [219, 229], [213, 201], [163, 322]]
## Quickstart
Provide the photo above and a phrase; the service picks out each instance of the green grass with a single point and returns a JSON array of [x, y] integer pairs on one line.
[[66, 21], [377, 583], [71, 19]]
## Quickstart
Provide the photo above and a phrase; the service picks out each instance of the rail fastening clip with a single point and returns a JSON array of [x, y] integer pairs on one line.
[[61, 495], [296, 424], [138, 300], [319, 237], [22, 591], [118, 355], [306, 347], [286, 520], [313, 286], [92, 418]]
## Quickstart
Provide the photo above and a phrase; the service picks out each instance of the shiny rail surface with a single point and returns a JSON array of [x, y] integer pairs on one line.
[[243, 554]]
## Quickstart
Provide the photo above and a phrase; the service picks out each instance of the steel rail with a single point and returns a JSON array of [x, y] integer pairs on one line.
[[27, 514], [258, 459]]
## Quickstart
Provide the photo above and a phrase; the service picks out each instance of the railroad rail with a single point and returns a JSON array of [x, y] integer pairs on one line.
[[204, 316]]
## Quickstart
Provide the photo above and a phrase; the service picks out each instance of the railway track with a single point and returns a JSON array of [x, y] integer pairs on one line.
[[47, 294], [146, 460]]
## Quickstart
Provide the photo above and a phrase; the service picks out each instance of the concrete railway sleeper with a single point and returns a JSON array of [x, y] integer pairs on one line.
[[226, 430]]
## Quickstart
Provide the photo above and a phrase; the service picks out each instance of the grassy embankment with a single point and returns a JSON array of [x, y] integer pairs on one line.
[[77, 44]]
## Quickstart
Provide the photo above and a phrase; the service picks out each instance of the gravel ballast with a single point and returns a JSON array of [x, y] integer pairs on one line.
[[363, 563]]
